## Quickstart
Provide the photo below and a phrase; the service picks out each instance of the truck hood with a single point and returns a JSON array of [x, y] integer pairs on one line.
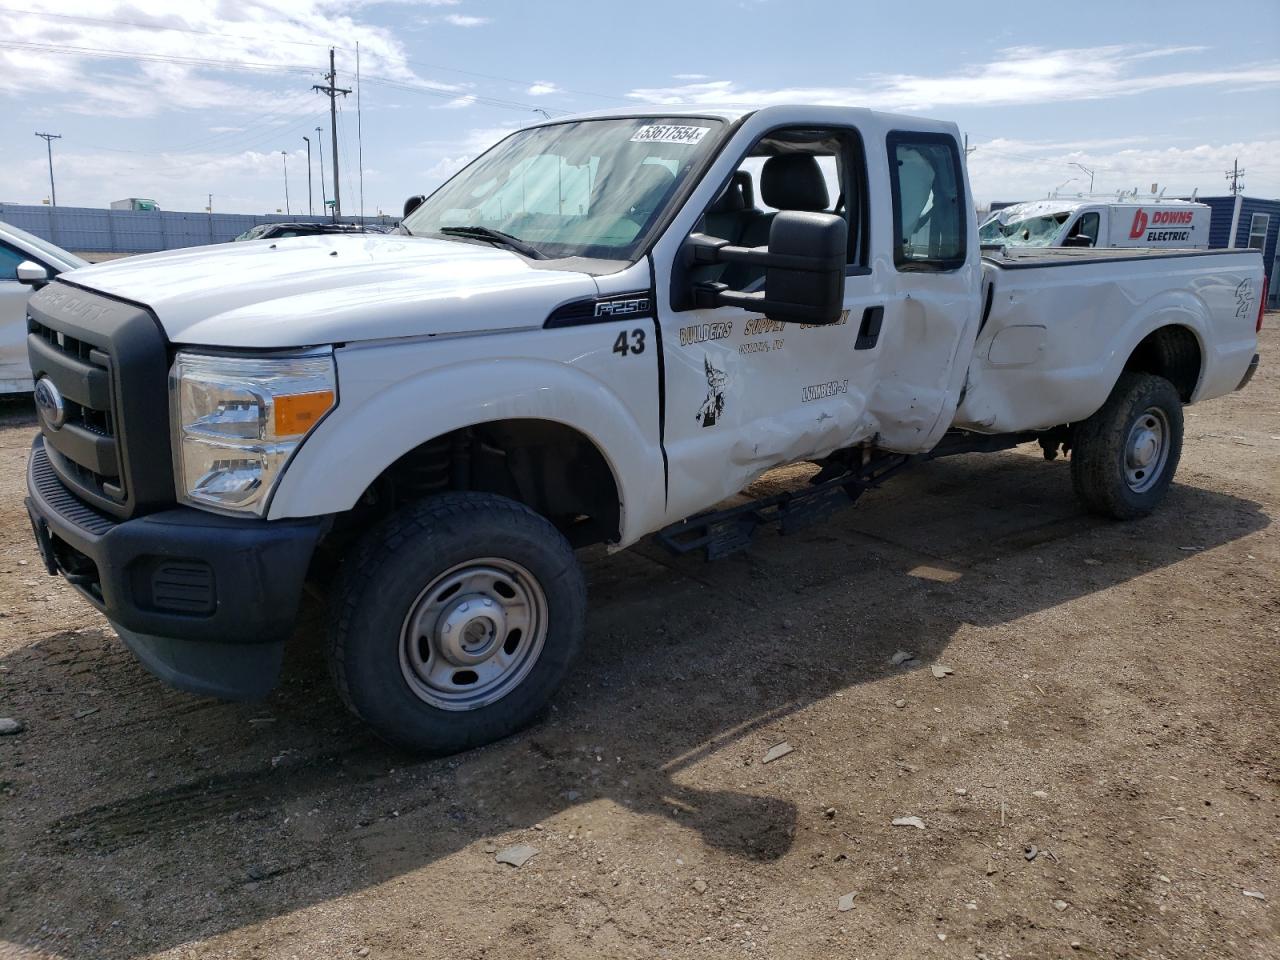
[[334, 288]]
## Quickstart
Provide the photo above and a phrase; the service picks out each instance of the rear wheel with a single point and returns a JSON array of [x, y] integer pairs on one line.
[[456, 620], [1124, 456]]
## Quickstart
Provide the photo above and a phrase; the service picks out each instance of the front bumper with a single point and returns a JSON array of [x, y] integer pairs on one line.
[[205, 601]]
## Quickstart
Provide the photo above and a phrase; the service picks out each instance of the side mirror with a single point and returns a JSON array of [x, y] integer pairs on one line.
[[804, 268], [32, 274], [413, 203], [1079, 240]]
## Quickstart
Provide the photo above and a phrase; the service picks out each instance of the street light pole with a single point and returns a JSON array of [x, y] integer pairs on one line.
[[310, 208], [1081, 166], [285, 155], [324, 201], [48, 139]]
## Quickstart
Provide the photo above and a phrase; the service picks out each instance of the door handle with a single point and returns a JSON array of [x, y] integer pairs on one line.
[[869, 330]]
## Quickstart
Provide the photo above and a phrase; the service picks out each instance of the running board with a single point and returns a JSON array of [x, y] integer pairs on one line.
[[724, 532]]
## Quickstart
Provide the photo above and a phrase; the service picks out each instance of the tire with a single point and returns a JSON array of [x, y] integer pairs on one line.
[[458, 584], [1123, 458]]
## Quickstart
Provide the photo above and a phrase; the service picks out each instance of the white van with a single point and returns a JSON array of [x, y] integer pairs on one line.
[[1086, 222]]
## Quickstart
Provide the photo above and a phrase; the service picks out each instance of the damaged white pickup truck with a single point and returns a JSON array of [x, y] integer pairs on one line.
[[597, 331]]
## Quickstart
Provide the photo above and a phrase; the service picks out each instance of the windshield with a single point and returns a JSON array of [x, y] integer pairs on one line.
[[591, 188], [1028, 232]]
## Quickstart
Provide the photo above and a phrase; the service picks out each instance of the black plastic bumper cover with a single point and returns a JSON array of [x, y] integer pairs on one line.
[[205, 601], [1248, 374]]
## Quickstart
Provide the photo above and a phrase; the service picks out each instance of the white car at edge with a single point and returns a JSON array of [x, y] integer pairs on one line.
[[17, 247]]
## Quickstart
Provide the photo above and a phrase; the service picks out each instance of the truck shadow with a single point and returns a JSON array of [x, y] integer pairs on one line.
[[168, 818]]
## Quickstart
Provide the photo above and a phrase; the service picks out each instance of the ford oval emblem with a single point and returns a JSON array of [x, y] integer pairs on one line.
[[50, 403]]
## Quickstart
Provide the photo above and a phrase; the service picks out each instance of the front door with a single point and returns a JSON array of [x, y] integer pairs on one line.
[[745, 393]]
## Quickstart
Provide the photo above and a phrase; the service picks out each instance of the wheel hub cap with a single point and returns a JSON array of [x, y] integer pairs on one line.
[[473, 634], [1146, 450], [469, 629]]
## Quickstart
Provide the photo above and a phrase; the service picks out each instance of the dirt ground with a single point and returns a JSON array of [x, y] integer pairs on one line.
[[1113, 705]]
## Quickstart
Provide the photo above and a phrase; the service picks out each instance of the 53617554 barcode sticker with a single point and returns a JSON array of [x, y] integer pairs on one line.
[[669, 133]]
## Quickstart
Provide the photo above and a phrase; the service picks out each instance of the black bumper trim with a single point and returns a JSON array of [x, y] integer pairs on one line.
[[1248, 374], [256, 568]]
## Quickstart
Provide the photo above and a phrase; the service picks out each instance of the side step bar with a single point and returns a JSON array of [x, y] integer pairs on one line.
[[837, 485]]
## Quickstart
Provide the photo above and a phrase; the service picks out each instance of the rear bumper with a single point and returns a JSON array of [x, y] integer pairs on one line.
[[1248, 374], [205, 601]]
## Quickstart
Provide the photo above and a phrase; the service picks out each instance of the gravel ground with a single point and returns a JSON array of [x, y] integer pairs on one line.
[[1097, 777]]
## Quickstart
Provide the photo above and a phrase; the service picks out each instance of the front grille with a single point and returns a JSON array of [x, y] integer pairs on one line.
[[109, 362]]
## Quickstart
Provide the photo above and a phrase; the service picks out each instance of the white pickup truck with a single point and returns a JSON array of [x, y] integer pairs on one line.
[[597, 331]]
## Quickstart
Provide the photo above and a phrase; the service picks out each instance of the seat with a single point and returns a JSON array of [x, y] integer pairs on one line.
[[792, 181]]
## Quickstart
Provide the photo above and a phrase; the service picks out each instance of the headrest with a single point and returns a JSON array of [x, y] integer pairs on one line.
[[794, 181], [737, 195]]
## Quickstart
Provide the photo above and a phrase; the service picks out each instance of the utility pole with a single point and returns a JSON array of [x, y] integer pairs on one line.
[[284, 154], [324, 201], [209, 208], [310, 209], [332, 91], [48, 139], [1235, 176]]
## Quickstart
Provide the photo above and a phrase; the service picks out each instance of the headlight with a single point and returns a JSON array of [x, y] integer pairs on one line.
[[237, 421]]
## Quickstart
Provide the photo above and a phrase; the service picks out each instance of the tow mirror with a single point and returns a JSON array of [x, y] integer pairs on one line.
[[32, 274], [804, 268], [1079, 240], [413, 203]]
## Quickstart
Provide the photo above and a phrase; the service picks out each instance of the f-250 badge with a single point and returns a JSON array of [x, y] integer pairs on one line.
[[713, 406]]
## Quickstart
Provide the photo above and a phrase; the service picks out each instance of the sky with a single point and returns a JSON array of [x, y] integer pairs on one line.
[[179, 101]]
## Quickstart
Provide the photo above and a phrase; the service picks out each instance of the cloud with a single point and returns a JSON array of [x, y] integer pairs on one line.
[[1018, 75], [1010, 169], [542, 88], [131, 58], [690, 76], [464, 20]]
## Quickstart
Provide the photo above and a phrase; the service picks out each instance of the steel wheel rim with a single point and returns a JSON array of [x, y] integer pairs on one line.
[[473, 633], [1146, 450]]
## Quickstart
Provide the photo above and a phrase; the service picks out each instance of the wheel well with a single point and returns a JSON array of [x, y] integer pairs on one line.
[[547, 466], [1170, 352]]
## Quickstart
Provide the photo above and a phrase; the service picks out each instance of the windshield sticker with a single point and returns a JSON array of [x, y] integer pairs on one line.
[[669, 133]]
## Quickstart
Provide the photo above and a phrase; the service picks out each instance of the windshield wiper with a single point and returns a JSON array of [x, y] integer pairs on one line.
[[496, 236]]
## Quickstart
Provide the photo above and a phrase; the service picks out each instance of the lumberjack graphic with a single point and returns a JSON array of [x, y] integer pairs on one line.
[[713, 406]]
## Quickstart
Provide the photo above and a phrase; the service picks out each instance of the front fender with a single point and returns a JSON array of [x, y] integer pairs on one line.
[[391, 401]]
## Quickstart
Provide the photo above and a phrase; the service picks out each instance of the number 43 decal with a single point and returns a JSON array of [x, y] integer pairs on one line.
[[621, 347]]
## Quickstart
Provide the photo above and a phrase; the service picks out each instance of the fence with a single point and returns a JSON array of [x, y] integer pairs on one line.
[[92, 230]]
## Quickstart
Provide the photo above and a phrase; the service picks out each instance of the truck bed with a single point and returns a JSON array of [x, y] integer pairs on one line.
[[1053, 342]]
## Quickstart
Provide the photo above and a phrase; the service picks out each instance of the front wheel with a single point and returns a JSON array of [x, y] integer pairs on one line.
[[455, 621], [1124, 456]]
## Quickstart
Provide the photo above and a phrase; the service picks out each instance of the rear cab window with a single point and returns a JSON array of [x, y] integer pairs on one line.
[[929, 221]]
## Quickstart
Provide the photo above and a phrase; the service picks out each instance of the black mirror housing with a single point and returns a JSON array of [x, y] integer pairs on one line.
[[814, 290], [804, 268], [412, 204]]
